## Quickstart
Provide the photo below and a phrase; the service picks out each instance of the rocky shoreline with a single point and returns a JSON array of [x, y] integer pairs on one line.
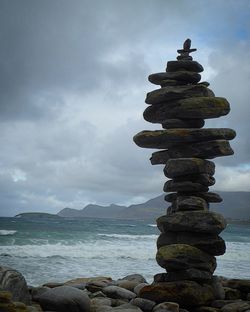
[[101, 294]]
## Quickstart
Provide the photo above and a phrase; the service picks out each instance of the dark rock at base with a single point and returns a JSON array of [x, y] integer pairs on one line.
[[166, 307], [240, 284], [192, 221], [182, 257], [189, 274], [14, 282], [192, 66], [236, 307], [208, 150], [65, 299], [183, 123], [187, 203], [170, 138], [188, 108], [209, 197], [232, 294], [186, 166], [185, 76], [206, 309], [185, 293], [184, 186], [209, 243], [170, 93]]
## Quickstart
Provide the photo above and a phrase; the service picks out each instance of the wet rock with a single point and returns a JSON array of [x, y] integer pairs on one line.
[[65, 299], [188, 108], [192, 221], [170, 93], [194, 66], [208, 150], [166, 307], [182, 257], [209, 243], [185, 293], [240, 284], [118, 292], [167, 138], [186, 166], [14, 282], [186, 76]]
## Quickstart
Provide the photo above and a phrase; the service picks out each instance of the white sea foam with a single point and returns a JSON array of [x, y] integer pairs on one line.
[[7, 232], [129, 236], [152, 225]]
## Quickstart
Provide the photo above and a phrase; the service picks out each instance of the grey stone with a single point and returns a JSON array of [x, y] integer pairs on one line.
[[183, 123], [166, 307], [188, 108], [186, 76], [208, 150], [144, 304], [192, 221], [236, 307], [118, 292], [209, 243], [135, 278], [182, 257], [184, 186], [186, 166], [187, 203], [14, 282], [168, 138], [170, 93], [209, 197], [139, 287], [188, 274], [194, 66], [65, 299]]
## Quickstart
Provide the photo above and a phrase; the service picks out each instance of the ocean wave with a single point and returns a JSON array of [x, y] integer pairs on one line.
[[152, 225], [7, 232]]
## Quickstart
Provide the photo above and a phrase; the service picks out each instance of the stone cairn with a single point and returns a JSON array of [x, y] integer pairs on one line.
[[189, 239]]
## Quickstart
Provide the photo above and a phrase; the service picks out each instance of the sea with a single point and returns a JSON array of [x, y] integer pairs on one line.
[[57, 250]]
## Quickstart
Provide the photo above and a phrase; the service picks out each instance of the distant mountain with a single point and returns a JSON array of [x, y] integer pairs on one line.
[[235, 205], [40, 215]]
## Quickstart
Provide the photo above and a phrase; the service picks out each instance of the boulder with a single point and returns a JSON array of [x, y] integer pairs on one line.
[[236, 307], [186, 65], [14, 282], [118, 292], [240, 284], [182, 257], [65, 299], [170, 93], [167, 138], [138, 278], [185, 293], [186, 76], [187, 203], [232, 294], [188, 108], [188, 166], [183, 123], [204, 150], [192, 221], [209, 243], [139, 287]]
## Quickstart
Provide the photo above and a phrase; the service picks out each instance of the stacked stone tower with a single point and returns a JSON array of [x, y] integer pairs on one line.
[[189, 239]]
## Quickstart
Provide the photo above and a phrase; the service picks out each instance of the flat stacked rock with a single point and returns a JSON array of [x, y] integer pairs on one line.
[[189, 239]]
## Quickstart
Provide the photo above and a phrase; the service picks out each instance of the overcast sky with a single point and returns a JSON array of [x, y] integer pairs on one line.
[[73, 80]]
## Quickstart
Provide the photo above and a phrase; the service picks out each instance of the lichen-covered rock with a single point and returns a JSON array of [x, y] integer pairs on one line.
[[187, 203], [209, 243], [182, 75], [182, 257], [170, 93], [209, 197], [192, 221], [204, 150], [184, 186], [183, 123], [14, 282], [167, 138], [185, 293]]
